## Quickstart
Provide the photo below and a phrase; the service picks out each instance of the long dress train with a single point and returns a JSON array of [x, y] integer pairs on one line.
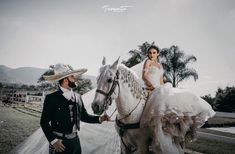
[[35, 144]]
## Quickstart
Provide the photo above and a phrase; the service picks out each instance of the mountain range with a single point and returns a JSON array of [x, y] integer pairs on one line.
[[26, 75]]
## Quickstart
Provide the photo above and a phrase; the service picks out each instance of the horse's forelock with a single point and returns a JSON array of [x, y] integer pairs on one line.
[[102, 71]]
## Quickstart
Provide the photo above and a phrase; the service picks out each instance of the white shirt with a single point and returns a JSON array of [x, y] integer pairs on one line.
[[69, 94]]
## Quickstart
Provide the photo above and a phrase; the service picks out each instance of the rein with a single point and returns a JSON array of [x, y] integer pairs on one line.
[[130, 112]]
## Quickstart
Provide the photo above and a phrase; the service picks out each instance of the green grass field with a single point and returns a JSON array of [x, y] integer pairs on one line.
[[211, 147], [214, 147], [15, 127]]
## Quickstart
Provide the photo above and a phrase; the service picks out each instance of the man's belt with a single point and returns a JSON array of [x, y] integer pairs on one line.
[[68, 136]]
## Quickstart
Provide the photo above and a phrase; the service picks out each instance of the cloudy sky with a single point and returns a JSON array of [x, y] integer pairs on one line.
[[80, 32]]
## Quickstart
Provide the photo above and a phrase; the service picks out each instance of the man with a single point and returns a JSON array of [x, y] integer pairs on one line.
[[63, 110]]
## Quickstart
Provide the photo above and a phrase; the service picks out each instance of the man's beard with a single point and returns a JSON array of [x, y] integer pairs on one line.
[[72, 84]]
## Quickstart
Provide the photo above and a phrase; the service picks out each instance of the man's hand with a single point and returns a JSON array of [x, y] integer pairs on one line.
[[104, 117], [59, 147]]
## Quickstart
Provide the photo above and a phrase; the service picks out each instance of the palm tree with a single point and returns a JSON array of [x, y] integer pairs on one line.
[[175, 63], [137, 55]]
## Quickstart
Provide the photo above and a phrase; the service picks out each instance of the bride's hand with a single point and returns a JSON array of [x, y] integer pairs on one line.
[[151, 88], [59, 147]]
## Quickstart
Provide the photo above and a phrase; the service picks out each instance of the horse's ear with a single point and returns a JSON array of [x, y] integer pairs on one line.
[[114, 66], [104, 61]]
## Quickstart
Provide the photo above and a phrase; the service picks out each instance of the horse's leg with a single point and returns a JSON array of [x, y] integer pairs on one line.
[[140, 148], [138, 141], [127, 147], [123, 149], [143, 147]]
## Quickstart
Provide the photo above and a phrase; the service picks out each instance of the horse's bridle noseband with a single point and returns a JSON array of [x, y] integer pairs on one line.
[[108, 100]]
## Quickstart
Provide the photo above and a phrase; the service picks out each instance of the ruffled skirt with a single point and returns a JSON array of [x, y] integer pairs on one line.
[[175, 114]]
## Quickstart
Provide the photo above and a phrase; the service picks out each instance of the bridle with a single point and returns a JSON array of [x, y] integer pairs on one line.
[[108, 99]]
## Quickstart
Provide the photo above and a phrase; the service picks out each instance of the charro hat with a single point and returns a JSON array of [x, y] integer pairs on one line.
[[60, 71]]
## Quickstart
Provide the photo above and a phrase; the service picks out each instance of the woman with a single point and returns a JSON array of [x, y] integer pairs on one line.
[[152, 62], [174, 113]]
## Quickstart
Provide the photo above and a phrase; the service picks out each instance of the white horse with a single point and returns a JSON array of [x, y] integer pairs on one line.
[[179, 112], [119, 83]]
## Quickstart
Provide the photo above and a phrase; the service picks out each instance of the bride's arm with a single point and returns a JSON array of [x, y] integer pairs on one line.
[[161, 80], [161, 77], [145, 75]]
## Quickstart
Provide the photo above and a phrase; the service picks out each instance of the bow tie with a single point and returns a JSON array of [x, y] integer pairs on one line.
[[69, 95]]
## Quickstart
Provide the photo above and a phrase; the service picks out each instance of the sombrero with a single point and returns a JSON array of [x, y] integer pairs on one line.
[[60, 71]]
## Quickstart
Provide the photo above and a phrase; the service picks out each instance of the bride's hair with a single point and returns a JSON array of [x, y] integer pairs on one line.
[[152, 47]]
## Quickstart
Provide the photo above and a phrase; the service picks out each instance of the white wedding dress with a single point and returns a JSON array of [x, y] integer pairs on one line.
[[34, 144], [175, 114], [168, 100]]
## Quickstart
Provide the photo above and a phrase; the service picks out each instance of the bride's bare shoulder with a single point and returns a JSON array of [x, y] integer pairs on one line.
[[147, 62]]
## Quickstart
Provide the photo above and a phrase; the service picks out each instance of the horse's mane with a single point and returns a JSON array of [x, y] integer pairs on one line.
[[127, 76], [134, 82]]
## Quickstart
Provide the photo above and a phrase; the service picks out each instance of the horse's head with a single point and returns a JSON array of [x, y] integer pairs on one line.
[[107, 87]]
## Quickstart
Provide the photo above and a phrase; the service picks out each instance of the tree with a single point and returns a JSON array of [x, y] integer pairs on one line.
[[84, 85], [24, 86], [32, 87], [210, 100], [225, 99], [137, 55], [1, 85], [175, 64]]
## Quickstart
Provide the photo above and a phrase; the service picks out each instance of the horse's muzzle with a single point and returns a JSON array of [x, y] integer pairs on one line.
[[97, 109]]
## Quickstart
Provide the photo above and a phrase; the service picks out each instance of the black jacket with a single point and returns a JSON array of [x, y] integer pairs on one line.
[[56, 115]]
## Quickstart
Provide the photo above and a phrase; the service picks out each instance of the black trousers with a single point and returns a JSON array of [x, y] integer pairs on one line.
[[72, 146]]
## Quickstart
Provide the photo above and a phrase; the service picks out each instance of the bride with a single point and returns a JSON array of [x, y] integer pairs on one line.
[[174, 113]]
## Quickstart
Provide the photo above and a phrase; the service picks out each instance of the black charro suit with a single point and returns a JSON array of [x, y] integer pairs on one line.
[[56, 115]]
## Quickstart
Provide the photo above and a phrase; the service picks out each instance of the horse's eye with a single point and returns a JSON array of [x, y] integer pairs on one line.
[[110, 80]]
